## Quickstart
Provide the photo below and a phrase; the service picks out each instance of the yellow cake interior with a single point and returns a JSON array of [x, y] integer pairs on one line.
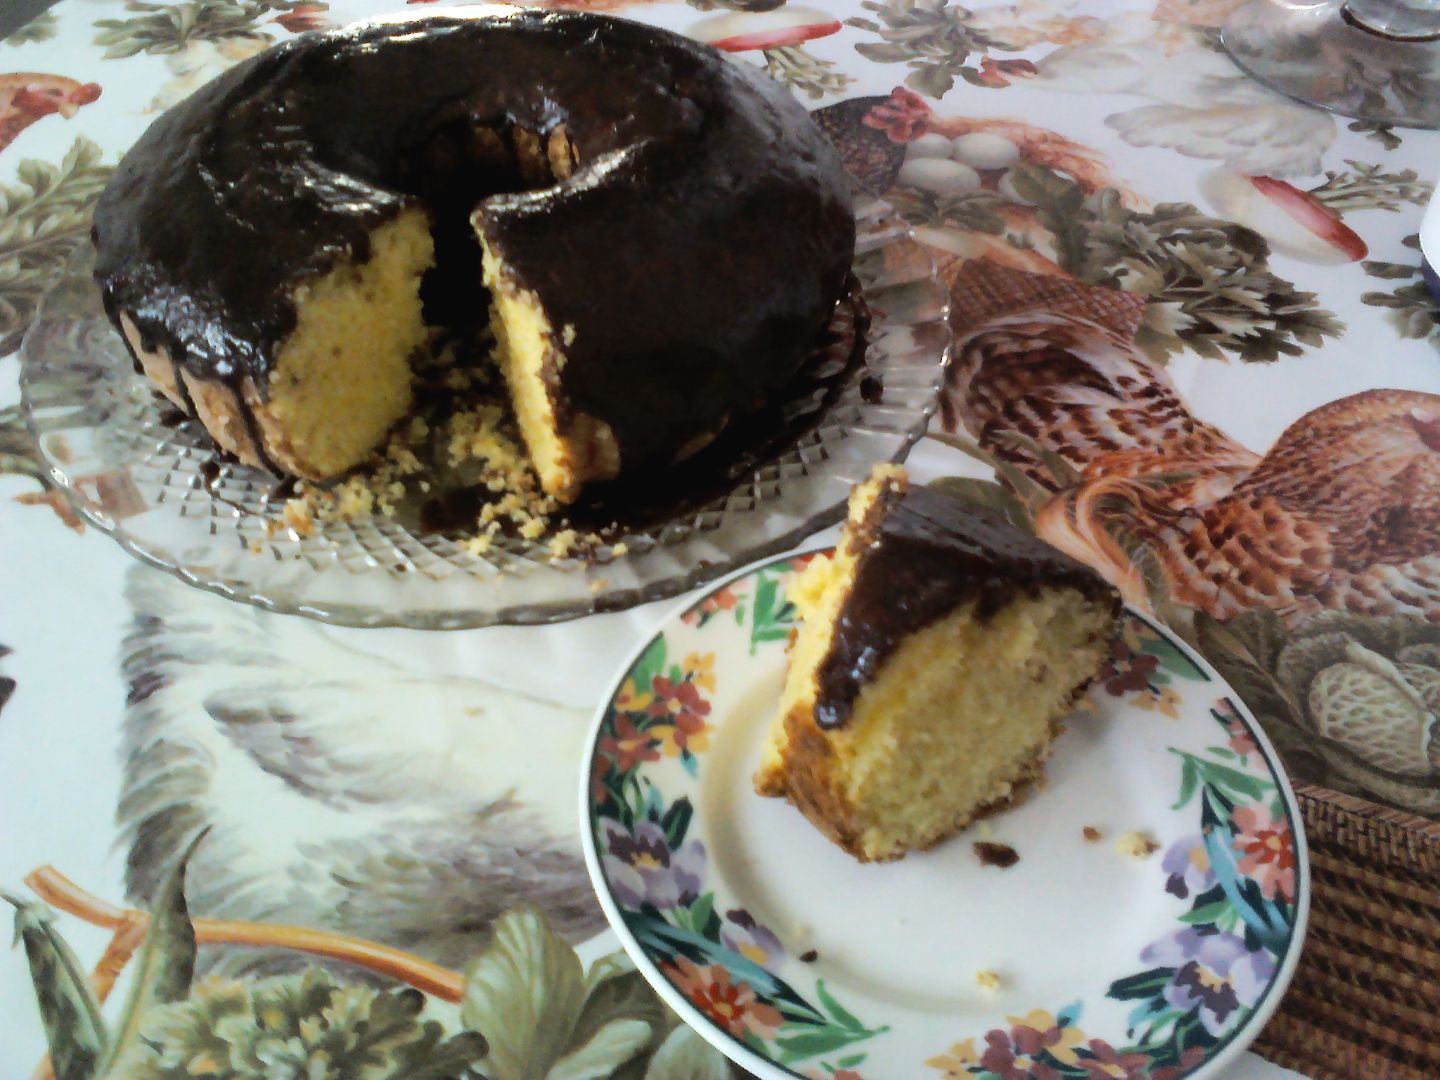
[[524, 345], [817, 593], [342, 377], [955, 721]]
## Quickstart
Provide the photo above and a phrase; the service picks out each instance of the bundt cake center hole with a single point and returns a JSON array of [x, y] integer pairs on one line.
[[461, 435], [458, 164], [458, 419]]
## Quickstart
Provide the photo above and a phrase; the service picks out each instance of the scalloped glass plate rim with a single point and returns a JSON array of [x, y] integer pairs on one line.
[[889, 230]]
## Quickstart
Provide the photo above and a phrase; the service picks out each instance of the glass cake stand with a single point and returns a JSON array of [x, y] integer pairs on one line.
[[151, 480], [1375, 60]]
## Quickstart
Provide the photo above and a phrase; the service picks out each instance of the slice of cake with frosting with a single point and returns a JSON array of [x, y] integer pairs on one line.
[[940, 649]]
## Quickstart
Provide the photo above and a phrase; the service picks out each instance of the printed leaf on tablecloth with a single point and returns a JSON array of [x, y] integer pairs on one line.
[[1369, 187], [684, 1055], [299, 1025], [525, 994], [934, 38], [168, 28], [549, 1021], [1412, 310], [165, 967], [1351, 701], [42, 219], [604, 1052], [69, 1012], [40, 28], [616, 991], [1207, 280]]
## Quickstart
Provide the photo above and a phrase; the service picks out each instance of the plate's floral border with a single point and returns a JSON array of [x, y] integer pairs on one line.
[[721, 960], [1198, 985], [1204, 980]]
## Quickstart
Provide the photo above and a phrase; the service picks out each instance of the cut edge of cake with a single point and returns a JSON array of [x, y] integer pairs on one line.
[[566, 452], [321, 418], [318, 420], [928, 748], [817, 593], [315, 419]]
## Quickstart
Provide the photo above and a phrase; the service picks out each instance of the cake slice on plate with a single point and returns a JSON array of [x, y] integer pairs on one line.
[[939, 651]]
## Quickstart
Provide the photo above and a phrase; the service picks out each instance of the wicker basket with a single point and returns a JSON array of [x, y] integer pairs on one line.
[[1365, 1001]]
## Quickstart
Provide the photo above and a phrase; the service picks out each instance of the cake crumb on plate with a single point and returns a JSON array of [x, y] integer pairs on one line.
[[988, 980], [1091, 833], [1137, 844], [1002, 855]]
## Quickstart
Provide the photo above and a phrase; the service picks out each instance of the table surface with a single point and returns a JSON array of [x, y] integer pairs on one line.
[[1241, 432]]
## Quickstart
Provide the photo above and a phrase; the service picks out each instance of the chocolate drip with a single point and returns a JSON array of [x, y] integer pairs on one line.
[[921, 555]]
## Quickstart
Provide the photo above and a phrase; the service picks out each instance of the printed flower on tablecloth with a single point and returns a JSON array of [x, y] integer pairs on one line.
[[999, 72], [1214, 973], [904, 116], [303, 17], [740, 933], [31, 96], [644, 869], [732, 1005], [1187, 866], [1267, 850]]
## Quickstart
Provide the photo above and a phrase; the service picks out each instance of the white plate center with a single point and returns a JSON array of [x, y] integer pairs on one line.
[[916, 932]]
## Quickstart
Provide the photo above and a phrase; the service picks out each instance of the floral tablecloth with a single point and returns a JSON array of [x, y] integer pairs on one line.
[[1192, 345]]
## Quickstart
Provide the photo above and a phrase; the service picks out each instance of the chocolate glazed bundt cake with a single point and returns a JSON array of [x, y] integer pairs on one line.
[[657, 235]]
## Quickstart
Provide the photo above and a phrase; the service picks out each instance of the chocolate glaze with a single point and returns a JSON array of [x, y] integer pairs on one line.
[[921, 555], [646, 498], [697, 250]]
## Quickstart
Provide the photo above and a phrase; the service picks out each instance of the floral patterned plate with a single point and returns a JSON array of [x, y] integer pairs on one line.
[[1148, 929]]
